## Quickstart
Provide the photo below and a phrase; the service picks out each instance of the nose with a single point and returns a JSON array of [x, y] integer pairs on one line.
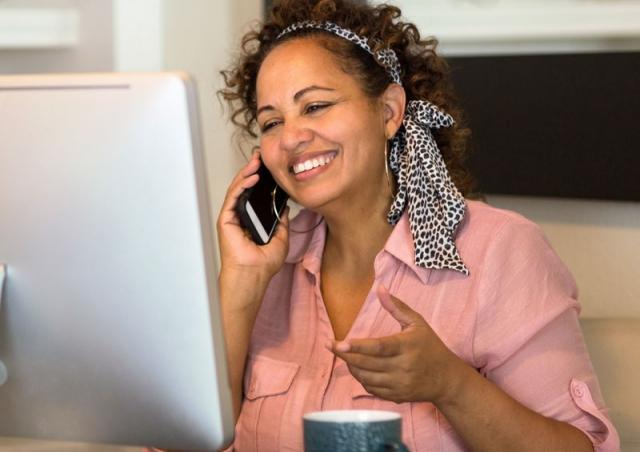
[[295, 135]]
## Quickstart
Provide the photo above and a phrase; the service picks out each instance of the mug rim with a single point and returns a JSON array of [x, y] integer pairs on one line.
[[352, 416]]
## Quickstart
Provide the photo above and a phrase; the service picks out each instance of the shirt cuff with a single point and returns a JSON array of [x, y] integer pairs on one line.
[[602, 433]]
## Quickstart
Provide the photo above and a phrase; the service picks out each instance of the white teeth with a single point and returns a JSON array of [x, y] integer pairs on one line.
[[312, 163]]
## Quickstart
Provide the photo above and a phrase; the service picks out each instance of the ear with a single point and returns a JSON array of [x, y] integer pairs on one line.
[[394, 100]]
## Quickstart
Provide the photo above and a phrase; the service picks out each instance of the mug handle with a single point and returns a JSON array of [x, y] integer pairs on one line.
[[393, 447]]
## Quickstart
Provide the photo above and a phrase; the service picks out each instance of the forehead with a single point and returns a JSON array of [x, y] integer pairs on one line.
[[296, 64]]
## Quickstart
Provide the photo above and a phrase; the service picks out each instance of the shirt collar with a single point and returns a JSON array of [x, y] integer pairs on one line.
[[400, 245], [308, 247]]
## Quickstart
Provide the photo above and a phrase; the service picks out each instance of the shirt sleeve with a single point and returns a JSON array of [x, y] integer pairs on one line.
[[528, 339]]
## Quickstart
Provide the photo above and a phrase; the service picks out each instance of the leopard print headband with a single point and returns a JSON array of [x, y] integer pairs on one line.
[[435, 205]]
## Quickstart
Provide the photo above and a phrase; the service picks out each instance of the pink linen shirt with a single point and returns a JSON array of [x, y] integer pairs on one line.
[[514, 319]]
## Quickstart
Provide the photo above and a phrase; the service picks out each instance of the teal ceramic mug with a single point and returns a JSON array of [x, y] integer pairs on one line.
[[353, 431]]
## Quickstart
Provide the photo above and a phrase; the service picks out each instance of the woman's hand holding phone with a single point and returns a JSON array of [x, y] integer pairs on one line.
[[238, 252]]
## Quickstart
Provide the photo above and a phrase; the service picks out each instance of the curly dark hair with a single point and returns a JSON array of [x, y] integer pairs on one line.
[[425, 74]]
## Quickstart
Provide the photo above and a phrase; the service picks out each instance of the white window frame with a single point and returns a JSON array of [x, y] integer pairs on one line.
[[496, 27]]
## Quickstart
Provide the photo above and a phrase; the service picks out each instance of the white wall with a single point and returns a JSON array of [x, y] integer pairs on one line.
[[138, 35], [94, 52], [199, 40]]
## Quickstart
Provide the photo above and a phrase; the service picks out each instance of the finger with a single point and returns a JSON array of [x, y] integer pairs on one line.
[[386, 393], [228, 209], [249, 168], [371, 379], [398, 310], [382, 346], [255, 151], [368, 362], [245, 178], [376, 390]]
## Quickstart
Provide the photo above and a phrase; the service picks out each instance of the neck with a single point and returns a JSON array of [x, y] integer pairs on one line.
[[356, 233]]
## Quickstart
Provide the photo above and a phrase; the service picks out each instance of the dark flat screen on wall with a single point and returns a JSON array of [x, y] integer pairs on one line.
[[554, 125]]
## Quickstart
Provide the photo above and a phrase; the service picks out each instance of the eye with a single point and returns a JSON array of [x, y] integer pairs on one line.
[[312, 108], [269, 125]]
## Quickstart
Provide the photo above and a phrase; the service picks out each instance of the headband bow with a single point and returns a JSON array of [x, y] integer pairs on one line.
[[435, 205]]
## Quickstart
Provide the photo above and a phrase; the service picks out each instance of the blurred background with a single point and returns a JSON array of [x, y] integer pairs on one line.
[[551, 89]]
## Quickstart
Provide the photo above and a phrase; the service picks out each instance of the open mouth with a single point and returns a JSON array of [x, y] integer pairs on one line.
[[312, 162]]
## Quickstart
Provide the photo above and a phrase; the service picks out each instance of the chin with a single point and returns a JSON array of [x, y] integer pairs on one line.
[[315, 203]]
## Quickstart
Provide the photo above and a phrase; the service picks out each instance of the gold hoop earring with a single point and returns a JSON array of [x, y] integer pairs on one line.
[[274, 206], [386, 167]]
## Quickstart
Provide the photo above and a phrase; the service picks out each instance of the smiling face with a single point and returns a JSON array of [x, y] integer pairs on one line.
[[322, 138]]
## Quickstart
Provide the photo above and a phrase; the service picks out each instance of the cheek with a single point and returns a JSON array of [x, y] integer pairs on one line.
[[337, 127], [267, 142], [349, 128], [269, 151], [273, 158]]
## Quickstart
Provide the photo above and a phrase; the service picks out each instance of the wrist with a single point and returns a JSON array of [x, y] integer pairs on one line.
[[458, 379], [244, 276], [241, 288]]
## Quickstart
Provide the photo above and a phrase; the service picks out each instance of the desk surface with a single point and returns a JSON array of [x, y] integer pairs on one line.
[[28, 445]]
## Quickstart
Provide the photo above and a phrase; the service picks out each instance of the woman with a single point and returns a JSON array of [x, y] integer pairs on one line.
[[389, 291]]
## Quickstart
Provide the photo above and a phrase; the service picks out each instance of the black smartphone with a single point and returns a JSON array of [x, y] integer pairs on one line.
[[260, 207]]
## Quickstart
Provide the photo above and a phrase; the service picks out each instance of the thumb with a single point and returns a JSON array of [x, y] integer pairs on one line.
[[398, 310]]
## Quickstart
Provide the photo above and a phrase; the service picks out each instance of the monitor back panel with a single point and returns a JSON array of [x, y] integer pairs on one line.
[[109, 326]]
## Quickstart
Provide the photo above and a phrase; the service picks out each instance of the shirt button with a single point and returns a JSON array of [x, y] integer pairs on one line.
[[578, 390]]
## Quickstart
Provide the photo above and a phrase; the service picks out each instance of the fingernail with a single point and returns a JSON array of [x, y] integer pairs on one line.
[[343, 346]]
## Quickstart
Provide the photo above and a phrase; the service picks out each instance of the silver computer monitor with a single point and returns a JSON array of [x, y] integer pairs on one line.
[[110, 328]]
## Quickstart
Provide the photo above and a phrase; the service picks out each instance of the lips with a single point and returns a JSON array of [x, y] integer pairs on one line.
[[309, 162]]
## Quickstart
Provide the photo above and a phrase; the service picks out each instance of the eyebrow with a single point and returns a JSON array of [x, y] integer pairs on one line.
[[296, 96]]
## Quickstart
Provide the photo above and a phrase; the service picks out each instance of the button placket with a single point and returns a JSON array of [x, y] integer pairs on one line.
[[325, 358]]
